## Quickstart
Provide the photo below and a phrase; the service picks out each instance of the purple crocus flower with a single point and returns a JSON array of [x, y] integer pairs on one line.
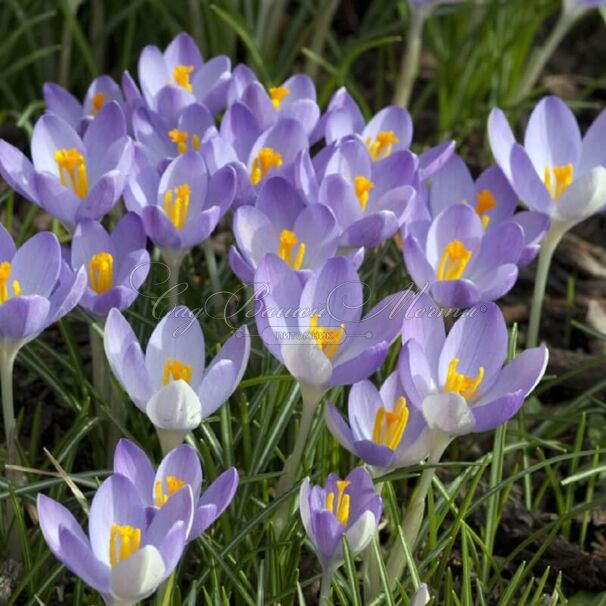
[[555, 172], [116, 264], [315, 327], [458, 261], [125, 557], [341, 508], [72, 178], [170, 382], [384, 430], [458, 381], [280, 222], [78, 115], [181, 65], [492, 198], [181, 207], [36, 288], [180, 467]]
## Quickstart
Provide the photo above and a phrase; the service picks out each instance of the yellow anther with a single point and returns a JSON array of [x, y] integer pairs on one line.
[[389, 426], [5, 274], [558, 179], [341, 510], [485, 201], [181, 75], [124, 541], [179, 138], [462, 384], [267, 159], [176, 204], [382, 144], [101, 272], [72, 163], [363, 186], [278, 94], [97, 102], [327, 339], [195, 142], [175, 369], [173, 483], [288, 241], [454, 261]]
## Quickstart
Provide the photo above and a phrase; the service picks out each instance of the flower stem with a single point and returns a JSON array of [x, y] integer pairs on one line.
[[548, 247], [409, 67], [173, 260], [7, 363], [327, 575]]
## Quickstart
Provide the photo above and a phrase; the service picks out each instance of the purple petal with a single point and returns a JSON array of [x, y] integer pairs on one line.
[[108, 127], [183, 51], [216, 498], [62, 103], [338, 427], [36, 264], [491, 415], [17, 171], [527, 183], [371, 230], [178, 508], [593, 153], [501, 140], [352, 370], [51, 133], [279, 200], [459, 294], [392, 118], [452, 184], [131, 462]]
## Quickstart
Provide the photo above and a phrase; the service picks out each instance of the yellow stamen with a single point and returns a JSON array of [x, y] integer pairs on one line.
[[176, 204], [124, 541], [382, 144], [97, 102], [342, 506], [267, 159], [5, 274], [558, 179], [288, 241], [462, 384], [390, 425], [173, 483], [101, 272], [363, 186], [175, 369], [278, 94], [485, 202], [327, 339], [181, 75], [72, 163], [179, 138], [195, 142], [454, 261]]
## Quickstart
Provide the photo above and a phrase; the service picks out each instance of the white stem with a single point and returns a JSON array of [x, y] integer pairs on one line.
[[173, 260], [325, 587], [7, 363]]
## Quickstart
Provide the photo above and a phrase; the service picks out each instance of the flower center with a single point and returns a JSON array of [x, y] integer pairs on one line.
[[124, 541], [175, 370], [101, 272], [72, 164], [180, 137], [278, 94], [173, 483], [5, 274], [382, 144], [267, 159], [181, 75], [558, 179], [362, 185], [327, 339], [484, 202], [288, 241], [341, 507], [454, 261], [176, 204], [460, 383], [390, 425], [97, 102]]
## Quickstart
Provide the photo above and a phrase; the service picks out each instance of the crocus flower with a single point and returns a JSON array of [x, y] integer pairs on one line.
[[181, 65], [36, 288], [180, 467], [459, 381], [78, 115], [316, 329], [125, 557], [116, 264], [348, 507], [170, 382], [459, 262], [492, 197], [72, 178], [280, 222], [181, 207], [556, 171], [384, 430]]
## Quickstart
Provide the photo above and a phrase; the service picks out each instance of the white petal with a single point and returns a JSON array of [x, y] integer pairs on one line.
[[138, 576], [448, 412], [176, 407], [360, 533], [421, 597]]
